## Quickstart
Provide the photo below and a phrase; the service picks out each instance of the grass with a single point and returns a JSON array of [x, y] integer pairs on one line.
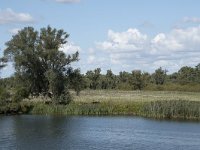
[[145, 96], [154, 104]]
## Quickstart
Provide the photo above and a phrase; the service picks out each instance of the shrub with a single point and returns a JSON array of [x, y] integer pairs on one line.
[[20, 94], [64, 98], [4, 96]]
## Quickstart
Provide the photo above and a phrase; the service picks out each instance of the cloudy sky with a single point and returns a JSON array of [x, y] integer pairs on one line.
[[113, 34]]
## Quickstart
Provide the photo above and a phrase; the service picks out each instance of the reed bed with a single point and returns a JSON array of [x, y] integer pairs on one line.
[[160, 105], [174, 109]]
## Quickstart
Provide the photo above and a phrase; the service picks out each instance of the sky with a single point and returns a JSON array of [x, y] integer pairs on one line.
[[121, 35]]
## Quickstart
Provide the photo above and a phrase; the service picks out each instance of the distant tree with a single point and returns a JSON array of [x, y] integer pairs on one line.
[[186, 75], [110, 80], [136, 80], [173, 77], [94, 78], [197, 73], [123, 81], [124, 76], [160, 76], [38, 61], [198, 67], [146, 77], [77, 81]]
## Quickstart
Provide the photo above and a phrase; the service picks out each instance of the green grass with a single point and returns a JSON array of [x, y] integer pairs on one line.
[[170, 105], [79, 108]]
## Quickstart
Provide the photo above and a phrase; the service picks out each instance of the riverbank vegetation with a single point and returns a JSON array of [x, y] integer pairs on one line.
[[153, 104], [44, 82]]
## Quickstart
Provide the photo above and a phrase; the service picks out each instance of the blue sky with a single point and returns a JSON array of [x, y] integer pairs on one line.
[[113, 34]]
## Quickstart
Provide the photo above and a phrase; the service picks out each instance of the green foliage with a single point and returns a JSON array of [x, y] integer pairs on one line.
[[137, 80], [161, 109], [94, 78], [186, 75], [56, 82], [159, 76], [108, 81], [124, 81], [16, 108], [20, 94], [4, 96], [64, 98], [77, 81], [186, 79], [39, 63]]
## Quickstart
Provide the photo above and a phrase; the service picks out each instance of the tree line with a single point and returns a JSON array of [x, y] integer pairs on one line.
[[185, 79]]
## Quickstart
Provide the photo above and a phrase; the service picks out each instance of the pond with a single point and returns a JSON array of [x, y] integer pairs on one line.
[[32, 132]]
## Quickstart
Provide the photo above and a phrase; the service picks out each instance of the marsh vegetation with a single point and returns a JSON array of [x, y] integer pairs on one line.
[[160, 105]]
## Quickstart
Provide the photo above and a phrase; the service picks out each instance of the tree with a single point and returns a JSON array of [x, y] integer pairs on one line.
[[94, 77], [137, 80], [159, 76], [108, 80], [76, 81], [38, 61], [186, 75], [124, 76], [197, 70], [123, 81]]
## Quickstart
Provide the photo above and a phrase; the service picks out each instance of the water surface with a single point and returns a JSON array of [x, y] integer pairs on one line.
[[31, 132]]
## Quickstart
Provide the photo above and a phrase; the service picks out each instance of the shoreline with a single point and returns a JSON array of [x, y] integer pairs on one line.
[[173, 109], [148, 104]]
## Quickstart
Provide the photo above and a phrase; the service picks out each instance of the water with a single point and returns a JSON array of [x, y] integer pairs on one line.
[[96, 133]]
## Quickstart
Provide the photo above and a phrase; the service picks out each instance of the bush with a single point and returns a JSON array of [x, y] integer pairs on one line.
[[25, 107], [64, 99], [20, 94], [14, 108], [4, 96]]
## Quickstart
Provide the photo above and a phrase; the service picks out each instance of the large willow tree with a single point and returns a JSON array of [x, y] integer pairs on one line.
[[39, 63]]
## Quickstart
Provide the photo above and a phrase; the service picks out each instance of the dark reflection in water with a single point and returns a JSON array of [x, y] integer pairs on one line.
[[88, 133]]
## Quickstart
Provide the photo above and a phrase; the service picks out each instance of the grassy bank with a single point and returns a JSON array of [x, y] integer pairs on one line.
[[173, 109], [170, 105]]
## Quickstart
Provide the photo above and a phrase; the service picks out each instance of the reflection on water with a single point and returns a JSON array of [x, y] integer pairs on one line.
[[87, 133]]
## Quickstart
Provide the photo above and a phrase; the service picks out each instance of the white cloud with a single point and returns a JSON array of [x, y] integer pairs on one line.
[[170, 50], [178, 40], [165, 43], [68, 1], [9, 16], [128, 41], [70, 48]]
